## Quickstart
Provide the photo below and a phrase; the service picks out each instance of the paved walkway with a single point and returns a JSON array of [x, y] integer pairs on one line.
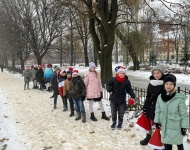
[[34, 125]]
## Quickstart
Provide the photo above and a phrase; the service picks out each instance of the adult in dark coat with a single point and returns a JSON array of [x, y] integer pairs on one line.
[[39, 77], [54, 83], [2, 67]]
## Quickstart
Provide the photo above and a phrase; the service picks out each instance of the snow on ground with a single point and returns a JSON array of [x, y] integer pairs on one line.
[[28, 122]]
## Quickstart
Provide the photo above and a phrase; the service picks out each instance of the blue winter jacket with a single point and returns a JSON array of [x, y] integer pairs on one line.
[[48, 73]]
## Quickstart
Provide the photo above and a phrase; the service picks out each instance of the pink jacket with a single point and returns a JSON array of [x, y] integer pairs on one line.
[[93, 85]]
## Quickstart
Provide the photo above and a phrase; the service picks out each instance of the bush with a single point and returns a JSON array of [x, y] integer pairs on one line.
[[10, 69]]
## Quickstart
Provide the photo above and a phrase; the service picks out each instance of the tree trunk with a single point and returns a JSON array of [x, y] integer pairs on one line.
[[13, 62], [22, 64], [86, 52], [39, 60], [116, 50]]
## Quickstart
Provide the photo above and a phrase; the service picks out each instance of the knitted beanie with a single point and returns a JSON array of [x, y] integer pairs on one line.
[[92, 65], [170, 78], [159, 68]]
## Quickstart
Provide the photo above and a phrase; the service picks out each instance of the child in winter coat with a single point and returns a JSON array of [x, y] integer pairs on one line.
[[62, 78], [171, 115], [94, 91], [117, 88], [27, 77], [54, 83], [155, 87], [66, 92], [78, 91]]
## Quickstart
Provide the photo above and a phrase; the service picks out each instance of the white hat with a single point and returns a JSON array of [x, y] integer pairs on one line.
[[92, 65]]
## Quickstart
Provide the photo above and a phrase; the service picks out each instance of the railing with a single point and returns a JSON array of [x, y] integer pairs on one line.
[[141, 96]]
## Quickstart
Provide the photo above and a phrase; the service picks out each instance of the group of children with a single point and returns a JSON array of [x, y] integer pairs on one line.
[[164, 107]]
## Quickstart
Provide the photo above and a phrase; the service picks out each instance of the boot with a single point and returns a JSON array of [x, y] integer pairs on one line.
[[104, 116], [65, 108], [113, 126], [119, 126], [146, 140], [84, 118], [72, 114], [78, 116], [92, 117], [50, 89], [54, 107]]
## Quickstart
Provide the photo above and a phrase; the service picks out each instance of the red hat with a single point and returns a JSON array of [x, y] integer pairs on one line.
[[39, 66], [155, 140], [48, 65], [27, 67], [143, 123], [75, 72], [70, 68], [131, 101]]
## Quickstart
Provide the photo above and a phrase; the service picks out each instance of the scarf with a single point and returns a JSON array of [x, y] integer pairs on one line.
[[167, 96], [69, 78], [156, 82], [120, 79]]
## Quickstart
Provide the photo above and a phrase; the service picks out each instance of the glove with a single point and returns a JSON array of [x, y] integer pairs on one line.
[[131, 101], [157, 125], [183, 131]]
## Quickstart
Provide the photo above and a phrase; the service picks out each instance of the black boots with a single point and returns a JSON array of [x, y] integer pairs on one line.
[[146, 140], [104, 116], [72, 114], [92, 117]]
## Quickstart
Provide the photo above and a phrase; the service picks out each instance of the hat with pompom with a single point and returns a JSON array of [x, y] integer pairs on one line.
[[171, 78]]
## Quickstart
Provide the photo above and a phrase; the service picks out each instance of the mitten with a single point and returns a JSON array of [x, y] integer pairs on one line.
[[131, 101], [183, 131], [158, 125]]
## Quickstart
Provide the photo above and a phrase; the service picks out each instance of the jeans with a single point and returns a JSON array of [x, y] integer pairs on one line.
[[117, 108], [71, 104], [79, 105]]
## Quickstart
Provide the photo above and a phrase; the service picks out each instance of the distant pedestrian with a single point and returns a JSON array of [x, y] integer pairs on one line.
[[55, 82], [155, 87], [93, 84], [40, 76], [27, 77], [48, 74], [171, 114], [62, 78], [66, 92], [117, 87], [2, 67]]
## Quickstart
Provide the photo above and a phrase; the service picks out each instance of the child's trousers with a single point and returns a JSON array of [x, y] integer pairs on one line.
[[120, 108]]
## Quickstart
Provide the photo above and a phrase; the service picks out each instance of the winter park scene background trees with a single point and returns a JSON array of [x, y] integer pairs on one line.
[[137, 34]]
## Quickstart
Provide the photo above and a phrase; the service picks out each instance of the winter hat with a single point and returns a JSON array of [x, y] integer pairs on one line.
[[27, 67], [159, 68], [121, 69], [155, 140], [170, 78], [75, 72], [39, 66], [62, 71], [48, 65], [69, 72], [92, 65], [70, 68]]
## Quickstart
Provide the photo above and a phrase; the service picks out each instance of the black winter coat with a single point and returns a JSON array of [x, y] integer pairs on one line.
[[153, 92], [39, 75], [77, 87], [54, 83], [118, 90]]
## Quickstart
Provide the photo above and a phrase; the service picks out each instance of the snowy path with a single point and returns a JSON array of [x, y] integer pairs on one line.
[[28, 122]]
